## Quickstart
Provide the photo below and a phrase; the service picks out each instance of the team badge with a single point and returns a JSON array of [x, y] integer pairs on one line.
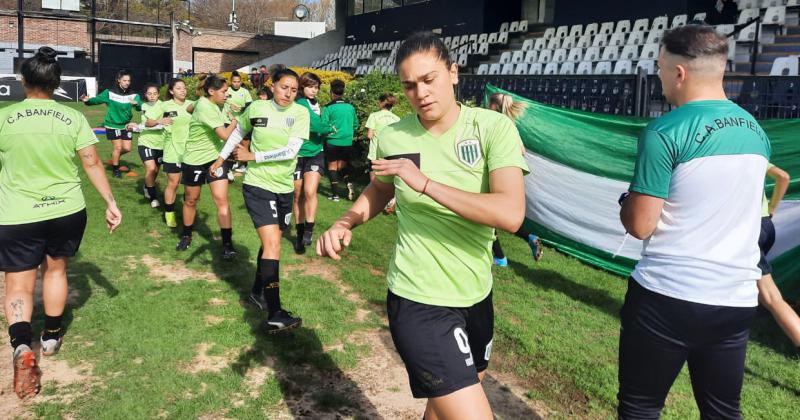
[[289, 121], [469, 152]]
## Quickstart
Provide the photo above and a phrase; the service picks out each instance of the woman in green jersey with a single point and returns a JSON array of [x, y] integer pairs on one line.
[[207, 132], [120, 101], [179, 111], [151, 140], [457, 174], [42, 210], [277, 128], [310, 163], [375, 123]]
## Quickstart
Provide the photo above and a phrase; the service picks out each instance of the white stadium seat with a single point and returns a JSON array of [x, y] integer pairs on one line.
[[654, 37], [650, 52], [785, 66], [527, 45], [518, 57], [607, 28], [700, 17], [603, 67], [592, 54], [562, 31], [660, 23], [569, 42], [559, 55], [747, 34], [610, 54], [748, 4], [567, 68], [630, 52], [549, 33], [623, 67], [641, 25], [514, 27], [545, 56], [483, 38], [523, 26], [576, 31], [623, 26], [483, 49], [600, 40], [483, 69], [502, 38], [617, 40], [584, 41], [551, 68], [505, 57], [748, 15], [584, 67], [535, 69], [575, 55], [554, 44], [649, 66], [772, 3], [591, 29], [725, 29], [495, 69], [463, 60], [679, 20], [508, 69], [521, 69], [775, 16], [636, 38], [540, 44], [493, 38], [504, 27], [530, 57]]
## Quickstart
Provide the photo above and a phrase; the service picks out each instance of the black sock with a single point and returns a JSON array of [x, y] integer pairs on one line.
[[187, 230], [309, 227], [272, 292], [334, 177], [521, 234], [227, 235], [52, 327], [151, 191], [169, 207], [497, 250], [300, 227], [20, 333], [258, 285], [115, 167]]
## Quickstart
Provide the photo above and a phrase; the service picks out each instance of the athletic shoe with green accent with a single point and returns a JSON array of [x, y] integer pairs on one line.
[[52, 346], [169, 217], [283, 321], [27, 375]]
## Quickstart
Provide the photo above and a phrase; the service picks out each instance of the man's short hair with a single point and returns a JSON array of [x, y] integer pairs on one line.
[[337, 87], [695, 41]]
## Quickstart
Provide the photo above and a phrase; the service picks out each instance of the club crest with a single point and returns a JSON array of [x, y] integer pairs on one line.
[[289, 121], [469, 152]]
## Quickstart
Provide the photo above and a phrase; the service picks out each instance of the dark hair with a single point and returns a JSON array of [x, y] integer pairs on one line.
[[263, 67], [337, 87], [421, 42], [284, 72], [275, 68], [695, 41], [388, 100], [42, 71], [171, 87], [152, 85], [235, 74], [265, 91], [210, 81], [309, 79], [122, 72]]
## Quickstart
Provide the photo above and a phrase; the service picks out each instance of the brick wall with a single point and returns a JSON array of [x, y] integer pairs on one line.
[[226, 44], [47, 32]]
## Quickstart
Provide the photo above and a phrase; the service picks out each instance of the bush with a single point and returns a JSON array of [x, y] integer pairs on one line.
[[364, 92]]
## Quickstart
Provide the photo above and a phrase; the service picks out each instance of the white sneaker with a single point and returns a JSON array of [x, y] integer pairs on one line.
[[51, 347], [154, 203]]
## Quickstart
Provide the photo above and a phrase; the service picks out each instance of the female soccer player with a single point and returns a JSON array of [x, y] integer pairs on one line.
[[207, 132], [278, 128], [310, 164], [457, 174], [151, 140], [339, 145], [120, 101], [377, 121], [506, 105], [45, 224], [178, 110], [238, 97]]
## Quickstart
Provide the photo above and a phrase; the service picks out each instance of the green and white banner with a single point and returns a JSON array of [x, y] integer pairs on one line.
[[581, 162]]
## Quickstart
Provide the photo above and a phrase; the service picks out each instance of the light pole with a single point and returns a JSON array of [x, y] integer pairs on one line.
[[233, 21]]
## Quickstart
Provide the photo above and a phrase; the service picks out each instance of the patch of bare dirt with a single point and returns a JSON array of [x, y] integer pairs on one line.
[[212, 320], [204, 362], [217, 302], [172, 272]]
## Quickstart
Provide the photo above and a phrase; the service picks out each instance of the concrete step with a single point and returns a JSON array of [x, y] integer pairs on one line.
[[791, 39], [782, 48], [793, 30]]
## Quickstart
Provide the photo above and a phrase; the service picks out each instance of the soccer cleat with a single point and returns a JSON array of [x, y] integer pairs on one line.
[[282, 321], [52, 346], [183, 245], [27, 375], [258, 300], [116, 173], [351, 192], [299, 245], [228, 252], [308, 238], [536, 247], [334, 197], [500, 262], [169, 217], [154, 203]]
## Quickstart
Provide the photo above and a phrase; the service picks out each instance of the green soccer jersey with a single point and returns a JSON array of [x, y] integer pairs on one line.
[[240, 98], [176, 133], [764, 201], [376, 122], [271, 127], [440, 258], [343, 116], [38, 175], [154, 139], [202, 144], [120, 106], [319, 129]]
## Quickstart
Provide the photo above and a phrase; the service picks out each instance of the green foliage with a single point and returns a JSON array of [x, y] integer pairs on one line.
[[363, 93], [191, 89]]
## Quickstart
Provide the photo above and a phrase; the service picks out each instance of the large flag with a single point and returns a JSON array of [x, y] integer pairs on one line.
[[580, 164]]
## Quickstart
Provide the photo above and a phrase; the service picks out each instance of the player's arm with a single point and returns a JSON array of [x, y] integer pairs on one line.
[[97, 100], [97, 176], [369, 204], [640, 214], [782, 179]]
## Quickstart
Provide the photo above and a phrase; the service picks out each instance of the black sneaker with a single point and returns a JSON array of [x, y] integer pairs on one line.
[[228, 252], [258, 300], [183, 245], [116, 173], [308, 238], [282, 321], [299, 245]]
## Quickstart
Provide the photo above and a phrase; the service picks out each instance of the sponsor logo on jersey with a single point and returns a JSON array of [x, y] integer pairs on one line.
[[170, 114], [469, 152], [259, 121], [289, 121], [49, 201]]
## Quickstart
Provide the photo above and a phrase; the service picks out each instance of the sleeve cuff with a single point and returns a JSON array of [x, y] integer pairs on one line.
[[648, 191]]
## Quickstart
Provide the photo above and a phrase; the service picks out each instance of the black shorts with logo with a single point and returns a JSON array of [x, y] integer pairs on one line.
[[765, 242], [443, 348], [309, 164], [194, 175], [118, 134], [268, 208], [334, 153], [146, 153], [24, 246], [173, 168]]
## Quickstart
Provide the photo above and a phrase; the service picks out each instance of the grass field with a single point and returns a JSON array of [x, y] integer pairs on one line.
[[157, 333]]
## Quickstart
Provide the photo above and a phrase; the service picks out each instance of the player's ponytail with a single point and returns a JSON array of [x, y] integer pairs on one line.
[[42, 71]]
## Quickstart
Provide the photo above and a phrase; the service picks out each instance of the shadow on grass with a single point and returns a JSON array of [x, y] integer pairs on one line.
[[766, 332], [311, 383], [81, 276]]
